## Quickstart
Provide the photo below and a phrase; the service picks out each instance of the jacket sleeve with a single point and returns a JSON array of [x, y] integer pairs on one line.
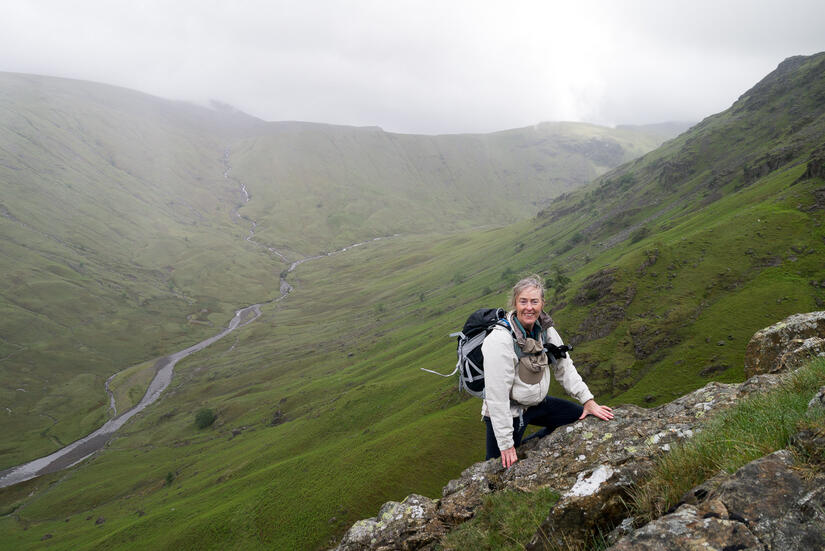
[[565, 372], [499, 373]]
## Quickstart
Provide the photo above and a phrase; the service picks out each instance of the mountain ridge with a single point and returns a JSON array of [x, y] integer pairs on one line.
[[648, 288]]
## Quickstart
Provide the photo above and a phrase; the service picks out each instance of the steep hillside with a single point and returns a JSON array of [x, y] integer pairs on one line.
[[706, 466], [118, 232], [342, 184], [323, 414], [125, 223], [683, 253]]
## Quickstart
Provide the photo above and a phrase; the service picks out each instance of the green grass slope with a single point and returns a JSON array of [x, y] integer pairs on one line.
[[341, 185], [117, 227], [682, 254], [661, 271], [124, 225]]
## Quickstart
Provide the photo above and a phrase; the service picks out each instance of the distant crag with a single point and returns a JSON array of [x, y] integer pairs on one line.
[[766, 504]]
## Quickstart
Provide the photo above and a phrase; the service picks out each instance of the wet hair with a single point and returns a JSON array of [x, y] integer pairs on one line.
[[534, 281]]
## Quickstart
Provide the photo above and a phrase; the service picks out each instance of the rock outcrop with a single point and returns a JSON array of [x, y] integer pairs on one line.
[[767, 504], [816, 164], [593, 465], [411, 524], [786, 344]]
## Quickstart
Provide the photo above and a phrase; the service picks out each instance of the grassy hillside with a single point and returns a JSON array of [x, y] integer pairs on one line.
[[117, 228], [696, 245], [341, 185], [124, 225], [661, 271]]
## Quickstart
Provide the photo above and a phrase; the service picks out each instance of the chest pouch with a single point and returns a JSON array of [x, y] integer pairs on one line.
[[532, 361]]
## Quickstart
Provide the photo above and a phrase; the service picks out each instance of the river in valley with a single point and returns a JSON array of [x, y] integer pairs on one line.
[[81, 449], [164, 367]]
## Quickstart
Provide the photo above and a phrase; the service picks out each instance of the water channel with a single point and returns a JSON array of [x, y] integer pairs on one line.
[[83, 448], [79, 450]]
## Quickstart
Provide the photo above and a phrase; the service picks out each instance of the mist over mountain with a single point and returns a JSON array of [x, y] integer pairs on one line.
[[133, 227], [125, 217]]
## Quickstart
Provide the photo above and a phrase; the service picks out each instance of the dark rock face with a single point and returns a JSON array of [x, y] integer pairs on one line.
[[816, 164], [783, 345], [601, 321], [595, 287], [765, 505], [688, 529], [649, 340], [799, 355], [607, 306], [769, 162], [676, 171], [579, 513]]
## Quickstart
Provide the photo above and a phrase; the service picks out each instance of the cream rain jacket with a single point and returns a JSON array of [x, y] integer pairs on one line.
[[506, 395]]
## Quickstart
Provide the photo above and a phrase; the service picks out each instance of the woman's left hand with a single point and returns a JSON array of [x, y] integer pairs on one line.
[[592, 408]]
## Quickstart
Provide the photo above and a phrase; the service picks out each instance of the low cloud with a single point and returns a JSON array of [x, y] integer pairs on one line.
[[422, 67]]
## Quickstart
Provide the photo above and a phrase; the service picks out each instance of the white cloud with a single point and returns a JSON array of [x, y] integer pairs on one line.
[[422, 66]]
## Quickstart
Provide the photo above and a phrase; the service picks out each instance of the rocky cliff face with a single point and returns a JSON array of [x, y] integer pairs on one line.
[[767, 504]]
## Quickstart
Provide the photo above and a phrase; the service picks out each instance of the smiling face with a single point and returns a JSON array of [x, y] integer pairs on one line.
[[529, 304]]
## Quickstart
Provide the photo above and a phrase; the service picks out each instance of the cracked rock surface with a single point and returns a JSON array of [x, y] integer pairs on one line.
[[765, 505]]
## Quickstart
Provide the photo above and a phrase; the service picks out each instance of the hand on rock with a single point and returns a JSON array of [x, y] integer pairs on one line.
[[508, 457], [592, 408]]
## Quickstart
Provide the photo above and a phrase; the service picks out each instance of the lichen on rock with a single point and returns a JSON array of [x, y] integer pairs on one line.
[[772, 349], [407, 525]]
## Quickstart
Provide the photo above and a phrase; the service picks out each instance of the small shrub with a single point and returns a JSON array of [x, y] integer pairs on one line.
[[639, 234], [204, 418], [558, 281], [626, 181], [170, 477]]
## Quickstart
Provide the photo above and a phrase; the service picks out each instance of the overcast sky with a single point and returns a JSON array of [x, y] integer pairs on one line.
[[421, 66]]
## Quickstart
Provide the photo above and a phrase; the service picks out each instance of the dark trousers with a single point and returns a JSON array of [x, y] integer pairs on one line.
[[551, 413]]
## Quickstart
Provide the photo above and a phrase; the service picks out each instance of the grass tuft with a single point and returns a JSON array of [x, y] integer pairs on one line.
[[506, 520], [759, 425]]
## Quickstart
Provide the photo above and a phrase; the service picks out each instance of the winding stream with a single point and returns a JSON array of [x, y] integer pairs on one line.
[[79, 450], [83, 448]]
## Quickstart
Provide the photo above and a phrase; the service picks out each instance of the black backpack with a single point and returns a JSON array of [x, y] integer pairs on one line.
[[470, 365]]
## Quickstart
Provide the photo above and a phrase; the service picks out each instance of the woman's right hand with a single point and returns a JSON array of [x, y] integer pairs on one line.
[[508, 457]]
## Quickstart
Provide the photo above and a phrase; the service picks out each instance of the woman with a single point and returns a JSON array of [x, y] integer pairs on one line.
[[517, 377]]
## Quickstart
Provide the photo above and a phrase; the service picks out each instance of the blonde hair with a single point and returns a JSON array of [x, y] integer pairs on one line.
[[534, 281]]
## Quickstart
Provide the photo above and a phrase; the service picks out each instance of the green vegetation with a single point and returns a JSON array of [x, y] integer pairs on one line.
[[324, 414], [124, 225], [506, 521], [130, 385], [204, 418], [341, 185], [757, 426]]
